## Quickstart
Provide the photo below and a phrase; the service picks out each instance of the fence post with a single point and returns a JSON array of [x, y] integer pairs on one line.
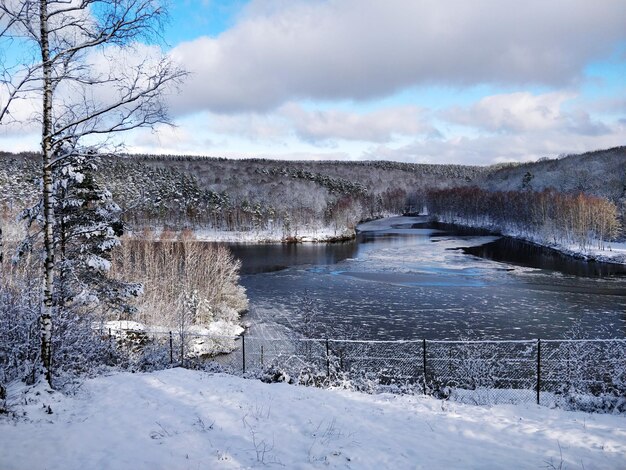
[[182, 349], [171, 349], [110, 346], [424, 364], [538, 369], [327, 360], [51, 362], [243, 352]]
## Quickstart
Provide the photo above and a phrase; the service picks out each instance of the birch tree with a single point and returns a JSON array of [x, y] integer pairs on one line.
[[84, 67]]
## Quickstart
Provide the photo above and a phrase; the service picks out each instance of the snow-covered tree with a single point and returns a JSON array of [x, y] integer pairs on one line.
[[87, 228], [81, 62]]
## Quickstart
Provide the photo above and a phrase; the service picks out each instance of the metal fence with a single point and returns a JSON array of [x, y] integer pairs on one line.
[[550, 372]]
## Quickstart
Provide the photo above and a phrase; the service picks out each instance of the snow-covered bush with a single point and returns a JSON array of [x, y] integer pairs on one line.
[[19, 312], [77, 349]]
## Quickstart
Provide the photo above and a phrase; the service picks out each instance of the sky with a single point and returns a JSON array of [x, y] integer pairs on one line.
[[423, 81]]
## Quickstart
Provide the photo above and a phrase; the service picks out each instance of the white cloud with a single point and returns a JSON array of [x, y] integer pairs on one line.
[[320, 127], [505, 127], [376, 126], [487, 149], [524, 112], [252, 126], [164, 138], [360, 49]]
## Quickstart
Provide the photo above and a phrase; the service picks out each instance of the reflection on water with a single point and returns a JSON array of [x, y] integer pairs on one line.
[[509, 250], [399, 282], [274, 257]]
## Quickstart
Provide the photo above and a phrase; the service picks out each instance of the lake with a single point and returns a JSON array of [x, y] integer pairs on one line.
[[403, 278]]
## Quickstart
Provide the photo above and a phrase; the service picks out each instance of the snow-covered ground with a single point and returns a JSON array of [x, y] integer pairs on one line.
[[215, 338], [313, 234], [182, 419]]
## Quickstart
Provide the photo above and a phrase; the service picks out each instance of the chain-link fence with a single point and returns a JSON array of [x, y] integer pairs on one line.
[[584, 374], [482, 371], [575, 373]]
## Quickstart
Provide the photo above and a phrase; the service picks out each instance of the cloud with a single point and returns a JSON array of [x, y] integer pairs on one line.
[[281, 51], [517, 126], [252, 126], [485, 149], [321, 127], [168, 139], [523, 112], [376, 126]]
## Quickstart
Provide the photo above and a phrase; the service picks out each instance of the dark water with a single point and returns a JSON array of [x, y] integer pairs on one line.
[[412, 281], [509, 250], [262, 258]]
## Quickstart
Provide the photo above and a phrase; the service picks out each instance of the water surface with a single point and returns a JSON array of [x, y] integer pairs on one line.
[[402, 279]]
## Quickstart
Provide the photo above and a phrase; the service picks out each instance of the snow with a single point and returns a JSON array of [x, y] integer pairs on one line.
[[302, 235], [98, 263], [305, 234], [183, 419], [615, 252], [217, 338], [117, 326], [219, 328]]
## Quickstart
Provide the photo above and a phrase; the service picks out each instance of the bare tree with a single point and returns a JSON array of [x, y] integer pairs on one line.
[[82, 62]]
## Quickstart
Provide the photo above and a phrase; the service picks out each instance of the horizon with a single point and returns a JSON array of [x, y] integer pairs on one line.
[[281, 160]]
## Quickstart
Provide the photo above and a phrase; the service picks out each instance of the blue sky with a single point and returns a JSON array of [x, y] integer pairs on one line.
[[437, 81]]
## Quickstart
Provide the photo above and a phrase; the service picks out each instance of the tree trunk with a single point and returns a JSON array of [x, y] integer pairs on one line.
[[45, 318]]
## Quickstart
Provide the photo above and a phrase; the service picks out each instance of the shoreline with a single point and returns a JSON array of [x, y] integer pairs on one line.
[[252, 237], [615, 253]]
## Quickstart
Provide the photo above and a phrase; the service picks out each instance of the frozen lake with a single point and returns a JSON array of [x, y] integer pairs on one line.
[[402, 280]]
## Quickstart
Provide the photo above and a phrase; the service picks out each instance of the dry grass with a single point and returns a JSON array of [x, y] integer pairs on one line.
[[172, 270]]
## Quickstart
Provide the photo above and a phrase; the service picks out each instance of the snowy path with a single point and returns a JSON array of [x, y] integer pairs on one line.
[[181, 419]]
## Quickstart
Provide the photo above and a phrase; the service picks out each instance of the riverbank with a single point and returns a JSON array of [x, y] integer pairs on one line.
[[613, 253], [261, 236]]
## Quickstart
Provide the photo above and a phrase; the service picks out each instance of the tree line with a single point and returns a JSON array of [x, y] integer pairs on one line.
[[547, 216]]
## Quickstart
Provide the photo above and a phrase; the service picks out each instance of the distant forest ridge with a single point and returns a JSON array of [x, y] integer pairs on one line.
[[290, 198]]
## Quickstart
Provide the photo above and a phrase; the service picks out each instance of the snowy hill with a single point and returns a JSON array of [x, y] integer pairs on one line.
[[182, 419], [601, 173], [297, 197]]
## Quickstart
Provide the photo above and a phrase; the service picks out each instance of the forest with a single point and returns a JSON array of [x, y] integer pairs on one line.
[[283, 199], [545, 216], [280, 200]]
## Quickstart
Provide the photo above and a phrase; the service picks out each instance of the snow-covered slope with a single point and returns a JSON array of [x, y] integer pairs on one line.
[[181, 419]]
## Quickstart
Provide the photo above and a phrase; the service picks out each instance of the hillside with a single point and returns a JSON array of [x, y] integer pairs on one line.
[[290, 198], [601, 173], [285, 199]]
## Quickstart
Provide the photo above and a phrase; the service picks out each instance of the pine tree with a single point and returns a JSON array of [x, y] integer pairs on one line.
[[87, 229]]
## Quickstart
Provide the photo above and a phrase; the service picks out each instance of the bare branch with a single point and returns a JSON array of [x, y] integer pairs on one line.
[[78, 98]]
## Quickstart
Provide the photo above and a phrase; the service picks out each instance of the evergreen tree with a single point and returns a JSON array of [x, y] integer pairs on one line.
[[87, 228]]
